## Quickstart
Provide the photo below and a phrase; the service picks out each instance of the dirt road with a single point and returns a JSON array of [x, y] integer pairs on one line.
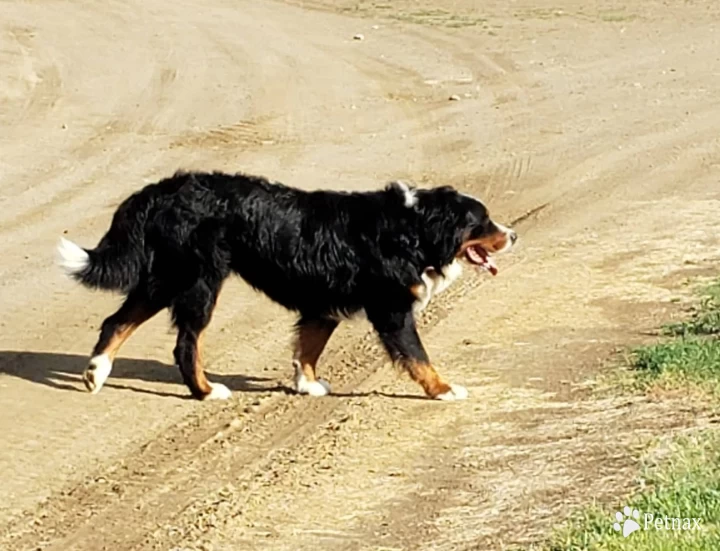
[[600, 119]]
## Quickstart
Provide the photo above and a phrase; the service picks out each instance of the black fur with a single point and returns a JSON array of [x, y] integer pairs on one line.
[[319, 253]]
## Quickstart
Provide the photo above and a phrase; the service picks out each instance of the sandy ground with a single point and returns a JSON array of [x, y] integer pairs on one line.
[[600, 117]]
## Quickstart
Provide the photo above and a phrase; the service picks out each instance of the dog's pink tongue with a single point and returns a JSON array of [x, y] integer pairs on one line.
[[490, 265]]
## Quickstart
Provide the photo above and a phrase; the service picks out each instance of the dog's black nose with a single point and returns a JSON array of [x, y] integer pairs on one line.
[[513, 236]]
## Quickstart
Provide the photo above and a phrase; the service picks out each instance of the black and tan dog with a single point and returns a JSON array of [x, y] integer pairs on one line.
[[325, 255]]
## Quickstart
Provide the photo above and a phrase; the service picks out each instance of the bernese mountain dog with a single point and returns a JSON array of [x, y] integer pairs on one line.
[[325, 255]]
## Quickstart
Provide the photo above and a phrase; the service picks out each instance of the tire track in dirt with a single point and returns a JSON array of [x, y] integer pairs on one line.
[[246, 134]]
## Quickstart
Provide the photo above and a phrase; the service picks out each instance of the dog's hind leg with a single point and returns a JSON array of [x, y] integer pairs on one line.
[[192, 312], [399, 335], [115, 330], [312, 336]]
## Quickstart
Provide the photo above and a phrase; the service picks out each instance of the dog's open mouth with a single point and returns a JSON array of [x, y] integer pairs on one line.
[[479, 257]]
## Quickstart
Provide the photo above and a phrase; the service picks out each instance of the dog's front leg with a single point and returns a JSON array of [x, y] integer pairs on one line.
[[399, 334]]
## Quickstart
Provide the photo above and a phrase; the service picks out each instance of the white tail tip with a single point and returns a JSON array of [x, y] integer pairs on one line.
[[72, 258]]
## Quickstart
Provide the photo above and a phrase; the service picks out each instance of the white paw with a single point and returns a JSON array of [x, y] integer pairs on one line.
[[219, 392], [457, 392], [97, 373], [312, 388]]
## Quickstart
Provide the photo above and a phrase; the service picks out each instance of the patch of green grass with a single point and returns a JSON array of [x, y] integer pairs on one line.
[[712, 291], [684, 480], [692, 357], [688, 360], [706, 318], [683, 484]]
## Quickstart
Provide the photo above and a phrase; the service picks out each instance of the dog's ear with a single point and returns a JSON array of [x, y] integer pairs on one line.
[[448, 238], [442, 224]]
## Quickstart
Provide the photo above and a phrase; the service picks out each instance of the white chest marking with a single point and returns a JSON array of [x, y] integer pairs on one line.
[[435, 283]]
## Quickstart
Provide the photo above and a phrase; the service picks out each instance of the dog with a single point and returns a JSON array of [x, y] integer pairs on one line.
[[326, 255]]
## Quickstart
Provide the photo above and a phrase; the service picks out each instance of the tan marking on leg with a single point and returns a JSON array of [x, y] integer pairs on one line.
[[309, 345], [124, 323], [134, 319], [425, 375], [198, 371]]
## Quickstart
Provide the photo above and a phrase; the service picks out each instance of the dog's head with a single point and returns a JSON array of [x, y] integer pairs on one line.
[[456, 226], [481, 237]]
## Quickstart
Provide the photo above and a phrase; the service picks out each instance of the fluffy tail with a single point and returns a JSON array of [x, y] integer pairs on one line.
[[115, 267], [71, 258], [118, 261]]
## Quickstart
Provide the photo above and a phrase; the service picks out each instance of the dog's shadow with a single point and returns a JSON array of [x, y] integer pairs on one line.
[[64, 372]]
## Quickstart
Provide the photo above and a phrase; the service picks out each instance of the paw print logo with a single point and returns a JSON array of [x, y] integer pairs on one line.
[[627, 522]]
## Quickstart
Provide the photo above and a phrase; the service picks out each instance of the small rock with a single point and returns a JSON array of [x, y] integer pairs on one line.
[[64, 126], [454, 97], [359, 37]]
